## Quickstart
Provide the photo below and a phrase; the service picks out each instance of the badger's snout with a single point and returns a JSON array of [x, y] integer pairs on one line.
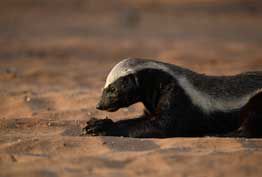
[[106, 104], [102, 107], [121, 93], [99, 106]]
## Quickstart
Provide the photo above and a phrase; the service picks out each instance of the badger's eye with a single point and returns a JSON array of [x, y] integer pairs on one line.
[[112, 89]]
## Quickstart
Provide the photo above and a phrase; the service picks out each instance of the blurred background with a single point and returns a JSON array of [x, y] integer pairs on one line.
[[54, 58]]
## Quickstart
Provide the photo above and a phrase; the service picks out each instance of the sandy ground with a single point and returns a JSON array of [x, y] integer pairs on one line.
[[54, 57]]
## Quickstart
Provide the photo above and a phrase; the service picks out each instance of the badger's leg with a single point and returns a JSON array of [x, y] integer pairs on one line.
[[143, 127], [159, 124], [107, 127], [251, 116]]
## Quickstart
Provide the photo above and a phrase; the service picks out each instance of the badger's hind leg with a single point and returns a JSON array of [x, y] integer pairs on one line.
[[251, 117]]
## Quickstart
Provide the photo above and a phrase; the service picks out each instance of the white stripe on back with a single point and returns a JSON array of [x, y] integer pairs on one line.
[[204, 101]]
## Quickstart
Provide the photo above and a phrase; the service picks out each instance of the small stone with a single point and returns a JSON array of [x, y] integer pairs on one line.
[[27, 99], [13, 158], [125, 109], [77, 122]]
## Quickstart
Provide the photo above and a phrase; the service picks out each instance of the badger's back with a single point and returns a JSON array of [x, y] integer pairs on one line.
[[228, 86], [212, 93], [221, 93], [209, 93]]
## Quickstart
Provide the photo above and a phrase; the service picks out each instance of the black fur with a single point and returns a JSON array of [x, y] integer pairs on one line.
[[169, 110], [251, 118]]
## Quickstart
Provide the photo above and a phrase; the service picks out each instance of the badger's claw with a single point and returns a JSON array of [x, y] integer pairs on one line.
[[95, 127]]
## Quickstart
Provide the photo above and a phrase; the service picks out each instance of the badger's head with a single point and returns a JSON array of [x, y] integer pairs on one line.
[[121, 88]]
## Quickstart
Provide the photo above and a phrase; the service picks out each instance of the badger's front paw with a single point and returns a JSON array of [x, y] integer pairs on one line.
[[96, 127]]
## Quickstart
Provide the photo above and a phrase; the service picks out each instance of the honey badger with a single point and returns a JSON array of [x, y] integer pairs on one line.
[[178, 101]]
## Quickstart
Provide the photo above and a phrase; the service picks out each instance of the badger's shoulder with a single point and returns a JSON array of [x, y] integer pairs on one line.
[[209, 93]]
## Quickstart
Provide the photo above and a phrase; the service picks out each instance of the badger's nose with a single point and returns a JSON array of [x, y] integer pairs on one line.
[[99, 106]]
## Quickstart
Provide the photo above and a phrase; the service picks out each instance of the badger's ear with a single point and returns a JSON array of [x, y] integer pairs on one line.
[[130, 81], [135, 80]]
